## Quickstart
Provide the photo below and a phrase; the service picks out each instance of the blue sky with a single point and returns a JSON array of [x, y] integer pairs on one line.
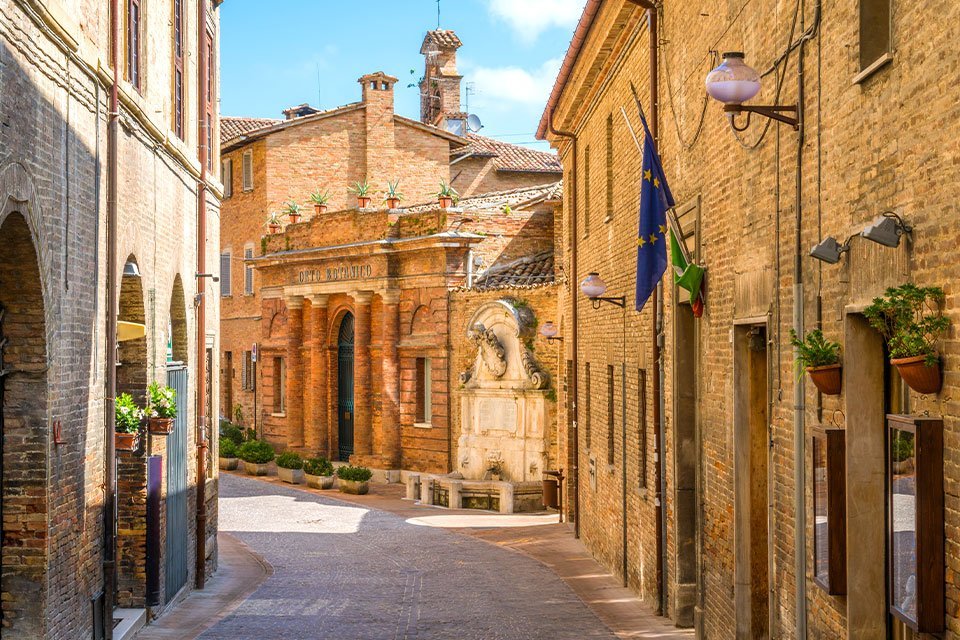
[[279, 53]]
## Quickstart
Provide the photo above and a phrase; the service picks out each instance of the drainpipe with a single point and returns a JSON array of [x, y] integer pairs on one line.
[[574, 324], [110, 359], [202, 417]]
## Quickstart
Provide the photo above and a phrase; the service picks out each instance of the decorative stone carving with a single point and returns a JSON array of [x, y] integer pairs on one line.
[[539, 377], [492, 353]]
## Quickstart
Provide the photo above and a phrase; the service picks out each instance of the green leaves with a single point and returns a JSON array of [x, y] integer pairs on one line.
[[360, 189], [356, 474], [318, 467], [128, 415], [228, 449], [256, 452], [320, 198], [814, 350], [161, 401], [446, 191], [911, 320], [290, 460]]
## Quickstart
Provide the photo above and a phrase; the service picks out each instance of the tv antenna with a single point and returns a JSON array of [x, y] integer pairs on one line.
[[438, 14], [467, 92]]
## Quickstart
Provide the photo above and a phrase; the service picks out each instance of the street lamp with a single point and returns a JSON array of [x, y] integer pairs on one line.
[[734, 82], [594, 287], [550, 331]]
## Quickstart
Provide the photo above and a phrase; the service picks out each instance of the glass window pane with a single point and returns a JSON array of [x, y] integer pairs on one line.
[[903, 542]]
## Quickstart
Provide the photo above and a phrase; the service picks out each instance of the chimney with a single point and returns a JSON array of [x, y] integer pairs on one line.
[[380, 142], [440, 87]]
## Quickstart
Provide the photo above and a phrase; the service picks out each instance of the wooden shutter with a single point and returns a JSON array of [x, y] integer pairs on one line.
[[247, 170], [226, 288]]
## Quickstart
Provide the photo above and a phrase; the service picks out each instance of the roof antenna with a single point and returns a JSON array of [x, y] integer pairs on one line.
[[438, 14]]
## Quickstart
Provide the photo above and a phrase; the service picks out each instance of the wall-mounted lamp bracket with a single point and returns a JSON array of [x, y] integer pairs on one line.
[[617, 301], [208, 275], [774, 112]]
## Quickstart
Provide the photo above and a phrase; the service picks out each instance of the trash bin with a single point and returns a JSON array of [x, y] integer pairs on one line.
[[550, 499]]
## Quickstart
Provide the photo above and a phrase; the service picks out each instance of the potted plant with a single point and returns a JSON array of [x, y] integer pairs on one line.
[[362, 191], [161, 408], [294, 211], [447, 195], [129, 418], [393, 196], [228, 454], [290, 467], [821, 359], [256, 456], [354, 480], [320, 201], [319, 473], [273, 223], [911, 320]]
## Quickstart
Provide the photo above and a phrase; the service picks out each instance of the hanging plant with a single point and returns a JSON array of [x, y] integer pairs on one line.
[[911, 320], [128, 420], [161, 408], [821, 360]]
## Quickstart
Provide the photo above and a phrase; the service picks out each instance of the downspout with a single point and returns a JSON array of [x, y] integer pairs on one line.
[[202, 80], [110, 357], [574, 327]]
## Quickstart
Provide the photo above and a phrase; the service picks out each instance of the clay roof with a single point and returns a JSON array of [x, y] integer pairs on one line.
[[231, 127], [444, 38], [496, 200], [510, 157], [528, 271]]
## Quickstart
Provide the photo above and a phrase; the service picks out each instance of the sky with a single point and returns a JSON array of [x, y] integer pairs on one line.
[[280, 53]]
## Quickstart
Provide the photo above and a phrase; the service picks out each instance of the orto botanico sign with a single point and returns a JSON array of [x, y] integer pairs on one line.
[[335, 273]]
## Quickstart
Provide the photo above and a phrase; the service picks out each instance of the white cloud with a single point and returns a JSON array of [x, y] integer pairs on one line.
[[529, 18], [501, 88]]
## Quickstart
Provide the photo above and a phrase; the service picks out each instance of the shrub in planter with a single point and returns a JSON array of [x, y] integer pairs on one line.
[[294, 211], [228, 454], [129, 419], [273, 223], [362, 191], [393, 196], [256, 456], [320, 201], [232, 432], [911, 320], [290, 467], [821, 359], [161, 408], [447, 195], [319, 473], [354, 479]]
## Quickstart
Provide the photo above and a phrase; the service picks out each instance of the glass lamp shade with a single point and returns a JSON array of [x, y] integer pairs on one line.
[[733, 82], [592, 286], [549, 330]]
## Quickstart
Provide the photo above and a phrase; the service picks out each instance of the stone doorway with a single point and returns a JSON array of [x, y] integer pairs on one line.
[[751, 440], [345, 409], [23, 434], [685, 456]]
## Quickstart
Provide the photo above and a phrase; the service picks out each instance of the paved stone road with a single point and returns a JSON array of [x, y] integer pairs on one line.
[[343, 572]]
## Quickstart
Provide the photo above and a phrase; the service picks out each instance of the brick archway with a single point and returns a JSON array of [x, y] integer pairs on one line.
[[24, 429]]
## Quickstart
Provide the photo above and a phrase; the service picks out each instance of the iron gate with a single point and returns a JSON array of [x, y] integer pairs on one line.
[[345, 388], [176, 546]]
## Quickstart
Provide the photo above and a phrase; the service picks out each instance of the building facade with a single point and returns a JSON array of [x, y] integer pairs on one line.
[[736, 549], [81, 532]]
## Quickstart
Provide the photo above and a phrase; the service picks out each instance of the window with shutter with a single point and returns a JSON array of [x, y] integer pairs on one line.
[[247, 170], [248, 272], [226, 177], [226, 288], [244, 371]]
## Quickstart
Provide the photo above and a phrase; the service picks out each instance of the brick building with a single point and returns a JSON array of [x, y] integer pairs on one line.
[[89, 204], [378, 283], [736, 454]]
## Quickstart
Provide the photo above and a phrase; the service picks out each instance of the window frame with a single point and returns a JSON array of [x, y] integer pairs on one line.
[[134, 49], [423, 390], [226, 276], [868, 67], [248, 272], [246, 169], [179, 76], [226, 177], [279, 386]]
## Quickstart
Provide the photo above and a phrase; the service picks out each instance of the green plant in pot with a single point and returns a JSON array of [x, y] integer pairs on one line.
[[319, 473], [362, 191], [128, 422], [290, 467], [256, 456], [273, 222], [447, 195], [228, 454], [393, 196], [161, 408], [821, 360], [320, 201], [911, 320], [294, 211], [354, 480]]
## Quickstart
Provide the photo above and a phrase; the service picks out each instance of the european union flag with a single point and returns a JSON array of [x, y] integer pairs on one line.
[[655, 200]]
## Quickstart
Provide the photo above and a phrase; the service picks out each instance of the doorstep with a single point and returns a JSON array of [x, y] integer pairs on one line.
[[128, 622]]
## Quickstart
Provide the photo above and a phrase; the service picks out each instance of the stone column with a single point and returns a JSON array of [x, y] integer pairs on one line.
[[317, 433], [390, 415], [362, 415], [294, 389]]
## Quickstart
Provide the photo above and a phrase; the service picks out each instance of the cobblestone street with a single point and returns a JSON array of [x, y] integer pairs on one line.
[[351, 573]]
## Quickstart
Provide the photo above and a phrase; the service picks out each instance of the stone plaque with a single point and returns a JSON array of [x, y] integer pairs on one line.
[[498, 414]]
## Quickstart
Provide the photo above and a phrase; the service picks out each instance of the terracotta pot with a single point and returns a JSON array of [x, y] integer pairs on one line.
[[393, 203], [827, 379], [918, 375], [291, 476], [320, 208], [446, 202], [319, 482], [229, 464], [254, 469], [294, 217], [354, 487], [274, 228], [160, 426], [126, 441], [363, 203]]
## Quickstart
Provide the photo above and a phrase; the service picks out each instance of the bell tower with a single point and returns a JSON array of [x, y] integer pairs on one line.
[[440, 86]]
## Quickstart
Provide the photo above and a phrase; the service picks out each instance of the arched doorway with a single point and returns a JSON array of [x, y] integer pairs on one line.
[[23, 418], [345, 387]]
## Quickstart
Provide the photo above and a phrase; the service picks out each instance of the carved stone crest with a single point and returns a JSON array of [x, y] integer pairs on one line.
[[492, 353]]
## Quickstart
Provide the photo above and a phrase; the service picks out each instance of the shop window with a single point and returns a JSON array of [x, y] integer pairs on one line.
[[279, 385], [829, 511], [424, 414]]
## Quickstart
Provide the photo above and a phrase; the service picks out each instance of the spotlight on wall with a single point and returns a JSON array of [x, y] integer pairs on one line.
[[829, 250], [887, 230], [550, 332]]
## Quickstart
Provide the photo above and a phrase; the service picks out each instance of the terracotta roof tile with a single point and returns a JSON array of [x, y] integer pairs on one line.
[[496, 200], [511, 157], [528, 271], [231, 127], [444, 38]]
